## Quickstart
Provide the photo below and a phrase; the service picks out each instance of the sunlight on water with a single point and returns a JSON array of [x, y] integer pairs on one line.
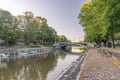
[[76, 49]]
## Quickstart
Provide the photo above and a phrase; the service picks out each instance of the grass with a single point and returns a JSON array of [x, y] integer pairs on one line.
[[35, 46], [32, 46], [45, 45]]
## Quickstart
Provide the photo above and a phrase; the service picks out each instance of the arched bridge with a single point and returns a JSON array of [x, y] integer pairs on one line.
[[63, 45]]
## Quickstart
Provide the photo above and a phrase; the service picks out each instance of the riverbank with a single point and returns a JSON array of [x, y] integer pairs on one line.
[[72, 72], [100, 67], [43, 67], [24, 46], [14, 53]]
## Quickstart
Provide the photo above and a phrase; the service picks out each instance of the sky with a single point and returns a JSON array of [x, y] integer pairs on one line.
[[60, 14]]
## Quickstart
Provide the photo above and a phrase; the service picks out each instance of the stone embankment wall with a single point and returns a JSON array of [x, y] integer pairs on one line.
[[7, 55]]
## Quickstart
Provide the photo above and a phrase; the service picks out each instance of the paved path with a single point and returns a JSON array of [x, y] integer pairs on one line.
[[100, 67]]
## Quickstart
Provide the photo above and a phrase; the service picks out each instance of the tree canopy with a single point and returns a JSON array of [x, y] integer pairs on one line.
[[26, 27], [100, 19]]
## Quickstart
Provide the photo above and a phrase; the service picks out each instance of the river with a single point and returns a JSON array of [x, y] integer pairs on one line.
[[44, 67]]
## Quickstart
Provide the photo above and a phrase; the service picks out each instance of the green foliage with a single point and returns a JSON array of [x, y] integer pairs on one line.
[[32, 46], [117, 36], [7, 27], [36, 28], [26, 27], [100, 19], [62, 38]]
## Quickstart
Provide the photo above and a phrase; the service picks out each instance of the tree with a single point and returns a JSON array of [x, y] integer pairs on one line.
[[62, 38], [100, 20], [8, 25], [117, 36], [26, 21], [26, 27], [36, 28]]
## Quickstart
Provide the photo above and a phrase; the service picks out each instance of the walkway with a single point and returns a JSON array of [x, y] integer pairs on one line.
[[100, 67]]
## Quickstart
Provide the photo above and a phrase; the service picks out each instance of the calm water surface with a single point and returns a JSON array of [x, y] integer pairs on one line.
[[45, 67]]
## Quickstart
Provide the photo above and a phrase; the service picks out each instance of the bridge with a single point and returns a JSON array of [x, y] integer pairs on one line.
[[63, 45]]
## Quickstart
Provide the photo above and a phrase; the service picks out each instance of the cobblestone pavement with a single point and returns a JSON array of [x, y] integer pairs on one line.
[[100, 67]]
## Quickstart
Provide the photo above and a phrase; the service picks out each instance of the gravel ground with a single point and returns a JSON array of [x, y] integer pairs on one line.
[[100, 67]]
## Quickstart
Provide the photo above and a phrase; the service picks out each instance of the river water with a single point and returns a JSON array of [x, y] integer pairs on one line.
[[44, 67]]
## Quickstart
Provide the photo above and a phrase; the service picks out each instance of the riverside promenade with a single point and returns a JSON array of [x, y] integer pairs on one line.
[[98, 66]]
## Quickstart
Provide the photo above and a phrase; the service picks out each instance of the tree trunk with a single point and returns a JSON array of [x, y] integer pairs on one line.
[[105, 42], [113, 43]]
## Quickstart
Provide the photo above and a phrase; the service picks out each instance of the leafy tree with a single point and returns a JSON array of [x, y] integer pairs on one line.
[[62, 38], [100, 20], [26, 21], [8, 25], [26, 27], [117, 36], [36, 28]]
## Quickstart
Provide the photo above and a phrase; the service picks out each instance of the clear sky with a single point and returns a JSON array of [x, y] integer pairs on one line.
[[61, 14]]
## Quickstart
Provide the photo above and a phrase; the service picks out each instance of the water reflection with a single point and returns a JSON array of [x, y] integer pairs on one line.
[[44, 67], [32, 69], [77, 49], [62, 64]]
